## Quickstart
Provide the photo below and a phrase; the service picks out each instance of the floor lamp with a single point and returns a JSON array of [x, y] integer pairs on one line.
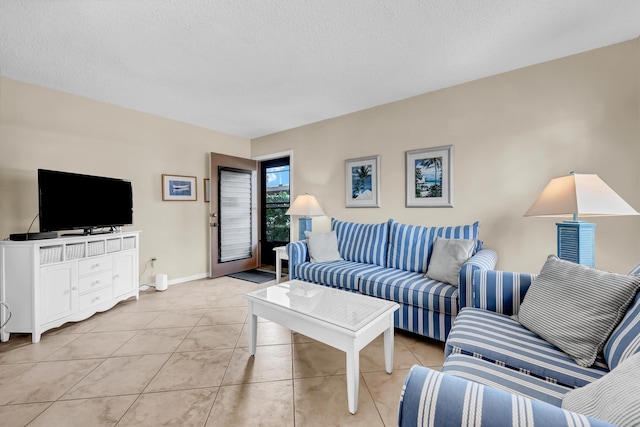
[[578, 195], [305, 206]]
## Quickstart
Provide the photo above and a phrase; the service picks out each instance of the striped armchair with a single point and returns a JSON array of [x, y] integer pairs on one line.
[[498, 373], [432, 398]]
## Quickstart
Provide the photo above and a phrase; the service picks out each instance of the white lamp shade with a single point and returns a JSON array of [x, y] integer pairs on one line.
[[579, 194], [305, 205]]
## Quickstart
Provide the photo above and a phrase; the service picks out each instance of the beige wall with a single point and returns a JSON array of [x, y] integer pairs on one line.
[[511, 134], [43, 128]]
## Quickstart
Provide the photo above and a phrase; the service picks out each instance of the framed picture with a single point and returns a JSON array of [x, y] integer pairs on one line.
[[430, 177], [207, 190], [179, 188], [363, 182]]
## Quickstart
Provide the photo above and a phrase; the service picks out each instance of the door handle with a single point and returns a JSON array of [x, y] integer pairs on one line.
[[214, 225]]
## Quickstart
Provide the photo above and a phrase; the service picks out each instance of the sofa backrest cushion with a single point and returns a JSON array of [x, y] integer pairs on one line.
[[625, 338], [410, 246], [365, 243], [461, 232]]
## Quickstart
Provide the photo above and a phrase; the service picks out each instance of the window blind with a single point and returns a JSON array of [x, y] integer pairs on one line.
[[235, 215]]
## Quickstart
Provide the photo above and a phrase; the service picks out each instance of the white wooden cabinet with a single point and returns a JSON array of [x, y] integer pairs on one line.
[[50, 282], [56, 291]]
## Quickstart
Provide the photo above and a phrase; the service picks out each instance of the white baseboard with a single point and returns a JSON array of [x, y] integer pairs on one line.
[[180, 280], [189, 278]]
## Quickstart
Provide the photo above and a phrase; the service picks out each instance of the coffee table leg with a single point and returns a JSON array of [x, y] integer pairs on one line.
[[353, 378], [388, 347], [253, 326]]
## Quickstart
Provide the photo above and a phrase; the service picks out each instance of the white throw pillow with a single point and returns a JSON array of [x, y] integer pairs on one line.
[[447, 258], [614, 398], [323, 247]]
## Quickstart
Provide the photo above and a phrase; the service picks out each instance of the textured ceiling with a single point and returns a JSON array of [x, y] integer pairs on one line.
[[255, 67]]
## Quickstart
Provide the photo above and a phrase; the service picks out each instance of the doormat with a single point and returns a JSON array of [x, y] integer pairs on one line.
[[255, 276]]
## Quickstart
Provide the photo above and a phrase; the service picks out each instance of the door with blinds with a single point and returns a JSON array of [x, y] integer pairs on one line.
[[233, 217]]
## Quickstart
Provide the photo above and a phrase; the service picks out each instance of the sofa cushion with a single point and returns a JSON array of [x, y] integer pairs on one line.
[[498, 338], [494, 375], [408, 246], [461, 232], [614, 398], [625, 339], [447, 258], [323, 247], [410, 288], [575, 307], [363, 243], [337, 274]]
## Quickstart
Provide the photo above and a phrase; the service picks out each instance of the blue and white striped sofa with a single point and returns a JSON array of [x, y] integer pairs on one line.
[[501, 373], [389, 260]]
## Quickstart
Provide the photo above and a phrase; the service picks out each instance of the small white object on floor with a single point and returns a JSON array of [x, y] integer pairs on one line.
[[162, 282]]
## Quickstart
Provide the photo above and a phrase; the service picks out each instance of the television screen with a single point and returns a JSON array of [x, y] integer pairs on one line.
[[72, 201]]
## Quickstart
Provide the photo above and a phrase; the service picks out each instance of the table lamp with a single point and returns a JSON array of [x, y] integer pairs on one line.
[[305, 206], [573, 196]]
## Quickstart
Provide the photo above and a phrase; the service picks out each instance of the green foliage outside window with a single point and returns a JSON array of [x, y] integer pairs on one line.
[[277, 221]]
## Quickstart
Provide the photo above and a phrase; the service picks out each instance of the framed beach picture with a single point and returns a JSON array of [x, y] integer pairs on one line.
[[430, 177], [363, 182], [179, 188]]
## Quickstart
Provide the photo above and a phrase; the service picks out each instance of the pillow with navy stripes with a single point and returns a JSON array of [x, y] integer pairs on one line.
[[614, 398], [575, 307]]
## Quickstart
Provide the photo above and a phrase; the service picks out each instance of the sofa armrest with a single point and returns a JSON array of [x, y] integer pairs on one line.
[[500, 291], [432, 398], [484, 259], [298, 253]]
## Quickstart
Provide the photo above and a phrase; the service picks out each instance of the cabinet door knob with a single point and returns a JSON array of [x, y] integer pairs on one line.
[[74, 288]]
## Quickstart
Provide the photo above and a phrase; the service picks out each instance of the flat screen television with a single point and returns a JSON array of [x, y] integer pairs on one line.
[[71, 201]]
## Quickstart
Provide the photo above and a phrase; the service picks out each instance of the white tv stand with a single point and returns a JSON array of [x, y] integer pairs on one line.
[[50, 282]]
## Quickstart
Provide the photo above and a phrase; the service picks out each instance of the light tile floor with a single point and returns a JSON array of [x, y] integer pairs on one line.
[[180, 358]]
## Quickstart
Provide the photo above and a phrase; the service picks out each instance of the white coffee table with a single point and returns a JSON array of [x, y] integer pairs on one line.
[[341, 319]]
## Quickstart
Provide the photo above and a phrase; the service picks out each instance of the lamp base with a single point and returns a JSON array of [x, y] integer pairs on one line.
[[576, 242], [304, 224]]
